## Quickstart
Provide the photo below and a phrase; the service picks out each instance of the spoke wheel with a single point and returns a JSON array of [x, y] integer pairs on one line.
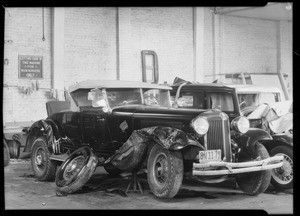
[[43, 168], [165, 172], [76, 170], [283, 177]]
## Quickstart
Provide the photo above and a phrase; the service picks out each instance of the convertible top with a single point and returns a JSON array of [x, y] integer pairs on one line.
[[89, 84]]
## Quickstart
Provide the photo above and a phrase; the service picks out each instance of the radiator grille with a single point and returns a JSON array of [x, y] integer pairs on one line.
[[218, 136], [215, 135]]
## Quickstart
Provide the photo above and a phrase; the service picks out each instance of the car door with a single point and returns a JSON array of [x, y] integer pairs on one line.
[[95, 131]]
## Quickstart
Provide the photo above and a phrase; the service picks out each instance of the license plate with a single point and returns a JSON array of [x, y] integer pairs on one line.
[[209, 155]]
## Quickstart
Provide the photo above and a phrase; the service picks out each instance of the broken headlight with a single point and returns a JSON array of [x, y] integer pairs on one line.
[[200, 125]]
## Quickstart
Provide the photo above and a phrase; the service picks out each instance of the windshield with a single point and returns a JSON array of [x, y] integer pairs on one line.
[[121, 97], [125, 97], [212, 100], [80, 97], [151, 97]]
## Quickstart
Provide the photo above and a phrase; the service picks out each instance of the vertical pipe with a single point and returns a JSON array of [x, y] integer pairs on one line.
[[52, 49], [280, 76], [117, 44], [214, 46], [194, 43]]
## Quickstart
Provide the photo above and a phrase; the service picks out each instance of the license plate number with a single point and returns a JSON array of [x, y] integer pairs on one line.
[[209, 155]]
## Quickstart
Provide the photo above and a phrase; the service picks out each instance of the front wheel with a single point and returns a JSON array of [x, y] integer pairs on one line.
[[254, 183], [282, 177], [43, 168], [165, 172], [76, 170]]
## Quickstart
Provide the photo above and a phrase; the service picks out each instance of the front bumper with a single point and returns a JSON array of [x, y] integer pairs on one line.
[[234, 168]]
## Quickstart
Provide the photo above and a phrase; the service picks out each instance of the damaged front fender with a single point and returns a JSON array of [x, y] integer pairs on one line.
[[46, 128], [133, 152]]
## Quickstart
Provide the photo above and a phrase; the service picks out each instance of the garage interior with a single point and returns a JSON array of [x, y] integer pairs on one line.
[[151, 44]]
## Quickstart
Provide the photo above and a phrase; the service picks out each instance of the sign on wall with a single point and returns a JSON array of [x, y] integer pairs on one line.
[[30, 66]]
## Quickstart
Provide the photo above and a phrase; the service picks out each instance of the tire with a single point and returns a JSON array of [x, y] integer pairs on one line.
[[254, 183], [6, 155], [43, 168], [282, 177], [112, 170], [76, 170], [164, 172], [14, 148]]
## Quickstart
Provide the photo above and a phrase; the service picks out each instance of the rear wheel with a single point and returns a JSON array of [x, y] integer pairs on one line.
[[76, 170], [14, 148], [283, 177], [6, 153], [43, 168], [254, 183], [165, 172]]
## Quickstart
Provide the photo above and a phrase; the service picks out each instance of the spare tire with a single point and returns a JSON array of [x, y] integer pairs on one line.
[[76, 170]]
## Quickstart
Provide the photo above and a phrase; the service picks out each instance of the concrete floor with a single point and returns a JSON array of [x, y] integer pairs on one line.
[[23, 191]]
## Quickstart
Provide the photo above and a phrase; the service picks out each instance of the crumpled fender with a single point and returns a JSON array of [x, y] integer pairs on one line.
[[49, 130], [133, 152]]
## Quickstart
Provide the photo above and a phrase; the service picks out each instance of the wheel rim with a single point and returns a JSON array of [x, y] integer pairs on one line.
[[40, 159], [161, 169], [74, 167], [284, 175]]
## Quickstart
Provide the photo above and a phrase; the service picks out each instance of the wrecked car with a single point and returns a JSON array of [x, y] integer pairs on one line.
[[277, 119], [251, 96], [125, 126], [223, 97]]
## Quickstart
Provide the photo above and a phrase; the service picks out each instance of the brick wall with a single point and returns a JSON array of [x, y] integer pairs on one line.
[[23, 26], [90, 44], [167, 31]]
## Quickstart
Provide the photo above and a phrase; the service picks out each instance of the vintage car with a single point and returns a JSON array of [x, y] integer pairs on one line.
[[224, 97], [251, 96], [125, 126], [277, 119]]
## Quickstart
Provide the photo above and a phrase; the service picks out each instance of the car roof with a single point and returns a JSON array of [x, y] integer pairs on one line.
[[89, 84], [254, 88], [205, 85]]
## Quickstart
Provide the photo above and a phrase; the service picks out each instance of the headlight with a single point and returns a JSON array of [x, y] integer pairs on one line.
[[240, 124], [200, 125]]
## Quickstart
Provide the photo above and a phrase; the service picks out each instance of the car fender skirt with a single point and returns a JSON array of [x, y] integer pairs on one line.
[[133, 152]]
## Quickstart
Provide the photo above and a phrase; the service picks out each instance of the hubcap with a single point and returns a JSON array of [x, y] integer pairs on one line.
[[284, 174], [161, 168], [40, 159], [74, 167]]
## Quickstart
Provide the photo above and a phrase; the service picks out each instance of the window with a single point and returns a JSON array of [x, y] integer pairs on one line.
[[149, 66], [220, 100]]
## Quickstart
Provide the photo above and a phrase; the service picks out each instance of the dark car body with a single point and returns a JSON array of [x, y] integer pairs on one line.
[[186, 89], [125, 123]]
